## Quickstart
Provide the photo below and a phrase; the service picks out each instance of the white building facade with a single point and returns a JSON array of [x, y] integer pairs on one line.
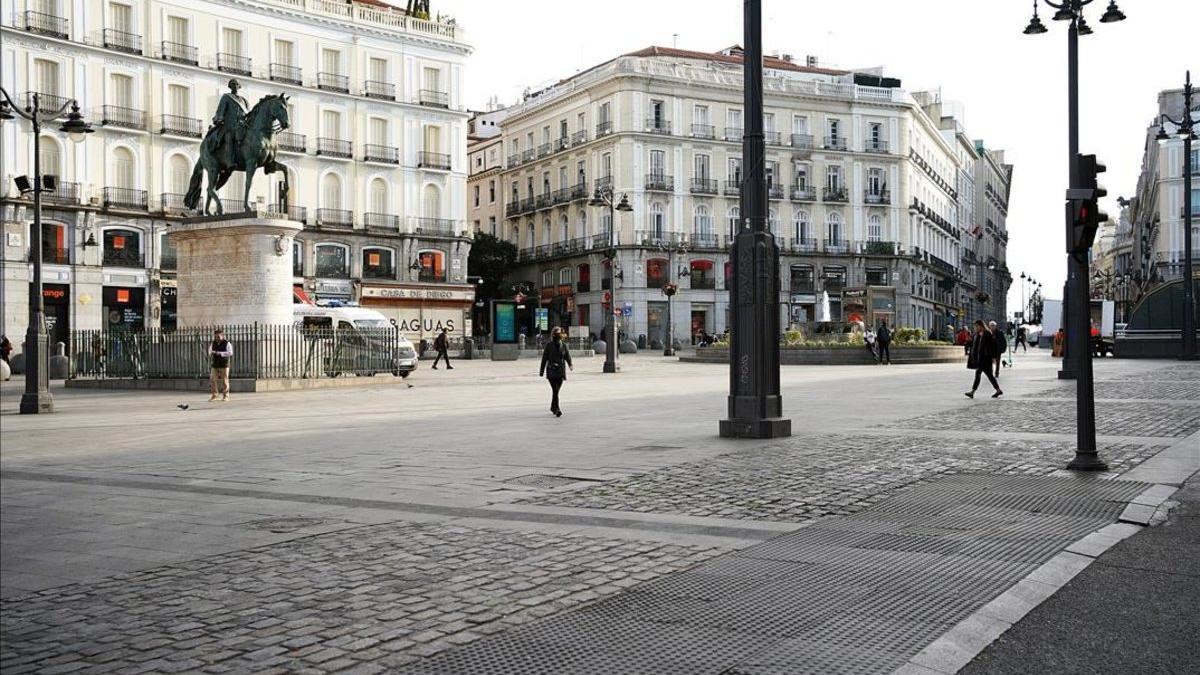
[[863, 194], [376, 150]]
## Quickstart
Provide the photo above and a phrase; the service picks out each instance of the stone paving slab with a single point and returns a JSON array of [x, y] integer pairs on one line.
[[813, 477], [1113, 418], [377, 595], [1186, 390], [832, 598]]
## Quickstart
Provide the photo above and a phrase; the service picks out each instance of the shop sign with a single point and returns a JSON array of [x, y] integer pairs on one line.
[[543, 318], [804, 298], [395, 293], [54, 293], [338, 287]]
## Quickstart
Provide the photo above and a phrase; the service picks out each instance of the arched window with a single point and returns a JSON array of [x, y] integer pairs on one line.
[[583, 225], [733, 219], [546, 233], [378, 263], [702, 222], [564, 276], [433, 266], [702, 274], [179, 174], [657, 272], [658, 221], [50, 157], [379, 196], [547, 278], [833, 229], [124, 169], [333, 261], [874, 228], [531, 235], [801, 228], [331, 191], [122, 248], [564, 229], [431, 202]]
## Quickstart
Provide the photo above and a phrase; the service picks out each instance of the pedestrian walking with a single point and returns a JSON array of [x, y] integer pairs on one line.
[[1022, 339], [869, 340], [219, 351], [1001, 344], [556, 359], [442, 344], [884, 337], [980, 358]]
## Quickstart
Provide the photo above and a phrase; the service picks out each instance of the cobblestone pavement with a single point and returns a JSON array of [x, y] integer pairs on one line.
[[1178, 371], [1112, 418], [821, 476], [371, 598], [1186, 390]]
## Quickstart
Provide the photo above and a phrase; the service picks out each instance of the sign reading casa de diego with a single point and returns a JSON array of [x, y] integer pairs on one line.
[[417, 293]]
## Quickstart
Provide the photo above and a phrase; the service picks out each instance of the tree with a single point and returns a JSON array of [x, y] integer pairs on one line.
[[491, 260]]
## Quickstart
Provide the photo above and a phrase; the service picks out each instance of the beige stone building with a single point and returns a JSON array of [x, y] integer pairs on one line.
[[485, 159], [864, 193]]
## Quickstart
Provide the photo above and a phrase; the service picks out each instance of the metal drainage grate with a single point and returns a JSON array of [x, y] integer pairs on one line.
[[283, 525], [544, 481]]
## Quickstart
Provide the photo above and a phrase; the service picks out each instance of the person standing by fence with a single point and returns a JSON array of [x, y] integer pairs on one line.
[[884, 337], [220, 351], [442, 345], [556, 358]]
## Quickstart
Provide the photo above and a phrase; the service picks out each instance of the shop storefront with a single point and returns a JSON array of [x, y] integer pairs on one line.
[[124, 308], [168, 306], [422, 312], [56, 298]]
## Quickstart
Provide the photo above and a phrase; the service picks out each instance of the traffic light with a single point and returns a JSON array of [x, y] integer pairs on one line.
[[1083, 206]]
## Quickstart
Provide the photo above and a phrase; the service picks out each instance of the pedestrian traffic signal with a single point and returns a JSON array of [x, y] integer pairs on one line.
[[1083, 208]]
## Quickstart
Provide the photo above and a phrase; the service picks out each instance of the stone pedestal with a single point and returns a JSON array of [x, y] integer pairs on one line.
[[234, 270]]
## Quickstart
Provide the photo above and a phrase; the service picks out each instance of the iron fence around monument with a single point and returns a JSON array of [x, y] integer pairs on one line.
[[260, 352]]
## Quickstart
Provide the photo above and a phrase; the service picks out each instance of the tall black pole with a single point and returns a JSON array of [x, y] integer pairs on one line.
[[37, 398], [755, 406], [1188, 351], [1087, 457], [1069, 368], [610, 346]]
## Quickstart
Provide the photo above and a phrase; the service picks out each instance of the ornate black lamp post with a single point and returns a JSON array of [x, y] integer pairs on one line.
[[1187, 351], [755, 406], [605, 197], [1077, 360], [37, 398], [670, 289]]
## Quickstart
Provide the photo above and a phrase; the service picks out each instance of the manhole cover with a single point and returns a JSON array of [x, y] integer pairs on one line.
[[283, 524], [654, 448], [541, 480]]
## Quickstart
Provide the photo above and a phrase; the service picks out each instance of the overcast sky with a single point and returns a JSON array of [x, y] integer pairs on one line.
[[1013, 86]]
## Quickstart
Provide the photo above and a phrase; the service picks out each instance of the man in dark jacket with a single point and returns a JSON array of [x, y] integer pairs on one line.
[[981, 354], [1001, 343], [219, 352], [442, 344], [884, 338], [556, 358]]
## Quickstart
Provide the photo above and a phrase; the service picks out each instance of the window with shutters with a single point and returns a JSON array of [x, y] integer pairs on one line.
[[658, 220], [122, 90], [378, 131], [658, 163], [703, 165], [378, 69], [178, 30], [379, 196], [285, 53], [124, 169], [431, 202], [181, 172], [120, 17], [46, 74], [50, 157], [874, 228], [331, 61], [331, 124], [431, 79], [232, 40], [180, 99], [433, 138], [331, 191]]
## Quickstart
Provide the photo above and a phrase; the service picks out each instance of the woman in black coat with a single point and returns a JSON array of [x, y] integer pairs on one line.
[[981, 354], [556, 359]]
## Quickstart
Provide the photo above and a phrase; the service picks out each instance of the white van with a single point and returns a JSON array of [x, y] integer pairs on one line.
[[358, 340]]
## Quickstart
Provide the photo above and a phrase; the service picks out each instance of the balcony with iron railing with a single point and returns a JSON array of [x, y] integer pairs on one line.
[[941, 265], [171, 203], [875, 145], [433, 98], [125, 198], [296, 213], [513, 160], [802, 141], [65, 193], [838, 194], [233, 63], [287, 141], [658, 238], [877, 196], [706, 240], [772, 138], [46, 24], [704, 186], [837, 245], [437, 227], [177, 52], [176, 125], [121, 41], [543, 201], [333, 82], [835, 143], [580, 136], [880, 247], [774, 191], [528, 156], [579, 191], [121, 257], [544, 150], [433, 160], [334, 147], [562, 143], [734, 134], [47, 103], [802, 193], [803, 245], [122, 117], [385, 91], [513, 208], [658, 125], [337, 219], [381, 222], [561, 195], [660, 182], [704, 131], [283, 72], [604, 128], [604, 184], [384, 154], [733, 187]]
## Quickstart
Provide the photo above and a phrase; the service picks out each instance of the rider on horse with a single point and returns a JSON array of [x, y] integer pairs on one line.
[[229, 124]]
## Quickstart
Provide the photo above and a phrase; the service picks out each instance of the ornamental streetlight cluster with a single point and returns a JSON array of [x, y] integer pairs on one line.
[[37, 398], [1077, 357], [1184, 128], [605, 197]]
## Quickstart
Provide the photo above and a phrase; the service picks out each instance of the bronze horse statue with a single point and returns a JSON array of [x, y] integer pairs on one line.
[[253, 148]]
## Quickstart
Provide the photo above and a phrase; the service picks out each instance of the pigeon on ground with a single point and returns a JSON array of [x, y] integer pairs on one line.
[[183, 406], [410, 386]]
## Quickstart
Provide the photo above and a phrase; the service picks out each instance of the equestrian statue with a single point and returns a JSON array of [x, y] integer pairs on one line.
[[239, 140]]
